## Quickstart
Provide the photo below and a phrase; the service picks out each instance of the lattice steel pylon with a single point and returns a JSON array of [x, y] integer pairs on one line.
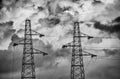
[[28, 64], [77, 65]]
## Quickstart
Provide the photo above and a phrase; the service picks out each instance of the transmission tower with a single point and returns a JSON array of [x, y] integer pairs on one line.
[[77, 65], [28, 64]]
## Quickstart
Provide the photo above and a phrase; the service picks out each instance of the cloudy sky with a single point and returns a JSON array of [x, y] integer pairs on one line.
[[54, 18]]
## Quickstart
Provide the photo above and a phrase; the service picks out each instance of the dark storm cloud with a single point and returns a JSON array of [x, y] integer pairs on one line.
[[112, 28], [8, 33], [107, 28], [109, 52], [50, 22], [117, 19], [6, 30], [6, 24], [11, 5], [95, 2], [54, 21], [14, 37], [1, 4]]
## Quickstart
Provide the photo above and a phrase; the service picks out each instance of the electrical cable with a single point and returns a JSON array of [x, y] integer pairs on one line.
[[87, 65], [72, 36], [14, 48], [86, 36], [108, 58], [100, 48]]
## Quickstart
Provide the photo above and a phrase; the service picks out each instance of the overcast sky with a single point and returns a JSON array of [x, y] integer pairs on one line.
[[54, 19]]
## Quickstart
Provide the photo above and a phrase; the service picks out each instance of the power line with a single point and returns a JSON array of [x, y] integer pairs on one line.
[[88, 64], [49, 36], [100, 48], [109, 58]]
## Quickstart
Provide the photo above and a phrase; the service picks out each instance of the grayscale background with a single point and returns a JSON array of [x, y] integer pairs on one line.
[[54, 18]]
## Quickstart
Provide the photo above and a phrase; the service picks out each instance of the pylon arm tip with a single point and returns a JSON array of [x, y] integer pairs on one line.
[[93, 55], [64, 46], [16, 44], [37, 33], [41, 35], [43, 53], [39, 52]]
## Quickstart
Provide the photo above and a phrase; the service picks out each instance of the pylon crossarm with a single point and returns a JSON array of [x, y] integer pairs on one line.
[[85, 55], [86, 36], [37, 33], [16, 44], [82, 36], [89, 54], [68, 45], [90, 37], [105, 37], [19, 42], [36, 51]]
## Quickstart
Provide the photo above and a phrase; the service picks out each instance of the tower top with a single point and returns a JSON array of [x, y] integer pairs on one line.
[[27, 19]]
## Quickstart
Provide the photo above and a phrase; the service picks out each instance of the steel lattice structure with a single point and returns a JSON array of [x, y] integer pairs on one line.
[[77, 65], [28, 65]]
